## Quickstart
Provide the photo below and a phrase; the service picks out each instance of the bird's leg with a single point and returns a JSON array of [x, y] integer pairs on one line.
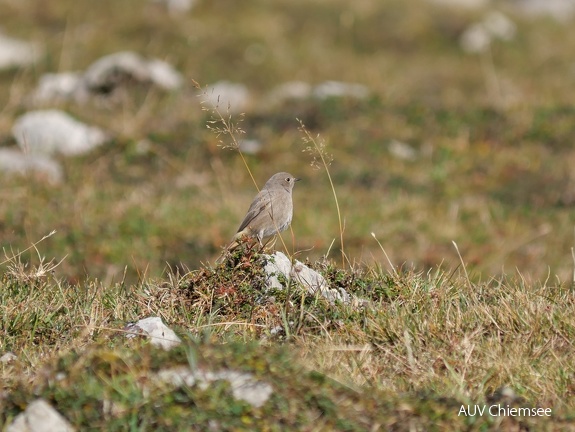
[[270, 243]]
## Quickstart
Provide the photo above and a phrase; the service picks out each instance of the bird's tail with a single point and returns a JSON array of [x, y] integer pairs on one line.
[[237, 240]]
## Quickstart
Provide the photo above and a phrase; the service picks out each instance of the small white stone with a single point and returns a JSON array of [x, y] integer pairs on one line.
[[475, 39], [39, 416], [227, 97], [495, 25], [51, 131], [250, 146], [177, 6], [499, 26], [177, 376], [277, 330], [312, 281], [291, 90], [57, 86], [17, 53], [160, 334], [164, 75], [244, 385], [8, 357], [463, 4], [104, 76], [508, 392], [402, 150], [13, 161], [277, 264], [108, 71], [560, 10], [112, 70], [329, 89]]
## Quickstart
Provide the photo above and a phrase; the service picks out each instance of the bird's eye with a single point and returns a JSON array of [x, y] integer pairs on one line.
[[288, 179]]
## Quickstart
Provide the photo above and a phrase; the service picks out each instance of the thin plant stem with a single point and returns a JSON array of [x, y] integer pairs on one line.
[[317, 149]]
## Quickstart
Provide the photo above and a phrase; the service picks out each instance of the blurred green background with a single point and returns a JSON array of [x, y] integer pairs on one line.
[[449, 145]]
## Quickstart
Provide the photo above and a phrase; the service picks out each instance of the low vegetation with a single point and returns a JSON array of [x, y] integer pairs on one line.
[[443, 205]]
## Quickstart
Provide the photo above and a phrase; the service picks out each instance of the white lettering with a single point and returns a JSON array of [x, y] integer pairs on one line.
[[507, 411], [472, 410], [526, 412]]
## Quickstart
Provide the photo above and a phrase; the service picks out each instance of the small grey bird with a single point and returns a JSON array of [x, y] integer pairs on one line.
[[271, 210]]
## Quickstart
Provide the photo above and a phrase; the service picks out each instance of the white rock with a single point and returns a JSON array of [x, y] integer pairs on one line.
[[14, 161], [39, 416], [495, 25], [475, 39], [106, 75], [250, 146], [161, 335], [112, 70], [560, 10], [164, 75], [57, 87], [499, 25], [277, 264], [109, 71], [227, 97], [177, 6], [17, 53], [277, 330], [293, 90], [312, 281], [51, 131], [402, 150], [8, 357], [244, 385], [290, 90], [340, 89], [465, 4]]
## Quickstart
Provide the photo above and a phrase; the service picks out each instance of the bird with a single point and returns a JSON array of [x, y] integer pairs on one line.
[[270, 212]]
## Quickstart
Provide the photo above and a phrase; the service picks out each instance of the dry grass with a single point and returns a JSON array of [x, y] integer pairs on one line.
[[429, 341], [444, 326], [493, 177]]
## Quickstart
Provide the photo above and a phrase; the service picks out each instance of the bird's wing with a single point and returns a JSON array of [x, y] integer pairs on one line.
[[259, 205]]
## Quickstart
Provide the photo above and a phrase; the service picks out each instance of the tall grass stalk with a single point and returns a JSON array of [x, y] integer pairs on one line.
[[316, 146]]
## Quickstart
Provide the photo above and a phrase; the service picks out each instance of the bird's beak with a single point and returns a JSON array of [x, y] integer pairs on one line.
[[297, 179]]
